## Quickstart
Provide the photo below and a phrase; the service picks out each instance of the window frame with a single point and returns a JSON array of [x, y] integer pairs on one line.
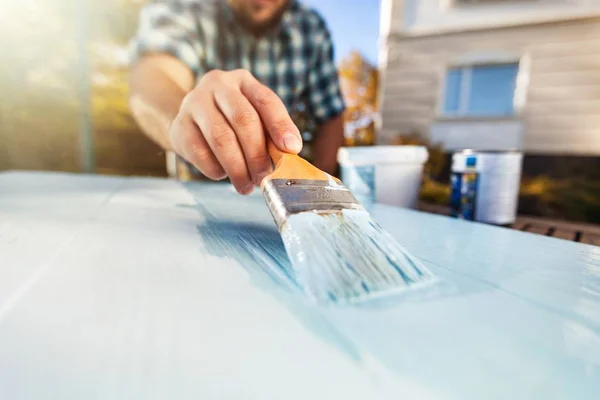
[[471, 61]]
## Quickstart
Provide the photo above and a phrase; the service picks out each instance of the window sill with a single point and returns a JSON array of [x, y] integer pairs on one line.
[[482, 118]]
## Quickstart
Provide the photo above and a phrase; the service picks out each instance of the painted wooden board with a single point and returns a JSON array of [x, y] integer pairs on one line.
[[122, 288]]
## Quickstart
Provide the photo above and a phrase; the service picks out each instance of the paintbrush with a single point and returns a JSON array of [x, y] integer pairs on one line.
[[338, 253]]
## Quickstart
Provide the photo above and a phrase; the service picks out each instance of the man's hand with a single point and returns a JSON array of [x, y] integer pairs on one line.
[[223, 124]]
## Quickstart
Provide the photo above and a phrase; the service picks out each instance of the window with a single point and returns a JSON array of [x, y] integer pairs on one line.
[[480, 90]]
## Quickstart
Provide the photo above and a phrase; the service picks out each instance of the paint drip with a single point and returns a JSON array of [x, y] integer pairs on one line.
[[346, 257]]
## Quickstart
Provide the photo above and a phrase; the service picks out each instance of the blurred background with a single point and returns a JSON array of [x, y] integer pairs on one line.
[[447, 74], [64, 82]]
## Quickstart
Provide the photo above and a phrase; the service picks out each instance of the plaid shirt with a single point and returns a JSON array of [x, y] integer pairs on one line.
[[296, 60]]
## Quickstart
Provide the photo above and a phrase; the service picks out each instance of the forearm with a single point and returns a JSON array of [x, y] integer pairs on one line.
[[158, 85], [329, 138]]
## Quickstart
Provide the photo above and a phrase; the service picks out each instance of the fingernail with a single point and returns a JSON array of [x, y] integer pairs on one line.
[[292, 142], [248, 189]]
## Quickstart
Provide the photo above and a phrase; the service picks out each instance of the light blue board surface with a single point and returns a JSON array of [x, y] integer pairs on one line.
[[115, 288]]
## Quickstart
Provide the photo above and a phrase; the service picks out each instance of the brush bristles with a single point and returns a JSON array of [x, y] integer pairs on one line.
[[345, 256]]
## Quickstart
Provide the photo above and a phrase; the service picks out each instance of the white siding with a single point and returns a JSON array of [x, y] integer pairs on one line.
[[561, 110], [478, 135], [428, 16]]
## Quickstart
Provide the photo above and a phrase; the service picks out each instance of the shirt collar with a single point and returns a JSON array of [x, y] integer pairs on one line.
[[288, 21]]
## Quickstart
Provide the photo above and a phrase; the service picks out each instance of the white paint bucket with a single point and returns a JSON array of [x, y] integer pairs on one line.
[[499, 182], [383, 174]]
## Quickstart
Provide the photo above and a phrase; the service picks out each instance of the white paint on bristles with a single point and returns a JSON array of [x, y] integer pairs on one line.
[[342, 257]]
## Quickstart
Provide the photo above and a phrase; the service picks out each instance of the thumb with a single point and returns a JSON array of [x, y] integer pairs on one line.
[[286, 136]]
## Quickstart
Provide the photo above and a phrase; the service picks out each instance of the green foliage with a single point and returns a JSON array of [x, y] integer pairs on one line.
[[434, 192], [576, 198], [359, 82]]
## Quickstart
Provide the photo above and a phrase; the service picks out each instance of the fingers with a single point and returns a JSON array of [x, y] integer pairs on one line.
[[274, 115], [224, 143], [221, 128], [188, 141], [247, 125]]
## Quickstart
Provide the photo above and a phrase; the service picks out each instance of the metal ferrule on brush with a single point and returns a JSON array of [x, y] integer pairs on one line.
[[286, 197]]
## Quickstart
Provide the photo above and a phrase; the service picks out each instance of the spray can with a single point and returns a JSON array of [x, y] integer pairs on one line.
[[485, 186], [500, 178], [464, 181]]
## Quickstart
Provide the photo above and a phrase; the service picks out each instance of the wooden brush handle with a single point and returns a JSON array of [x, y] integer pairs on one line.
[[291, 166]]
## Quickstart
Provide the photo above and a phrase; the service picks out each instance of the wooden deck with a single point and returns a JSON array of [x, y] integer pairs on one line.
[[574, 231]]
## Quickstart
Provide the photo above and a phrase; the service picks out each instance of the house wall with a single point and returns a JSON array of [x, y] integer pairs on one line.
[[558, 87], [428, 16]]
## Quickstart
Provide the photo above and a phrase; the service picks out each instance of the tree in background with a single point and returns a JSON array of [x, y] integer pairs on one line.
[[360, 82], [120, 146], [39, 107], [56, 52]]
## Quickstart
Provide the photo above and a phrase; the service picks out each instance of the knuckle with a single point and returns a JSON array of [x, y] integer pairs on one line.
[[258, 161], [244, 118], [222, 136], [187, 99], [191, 100], [281, 126], [263, 97], [242, 73], [211, 76], [214, 73], [197, 153], [175, 126], [179, 135]]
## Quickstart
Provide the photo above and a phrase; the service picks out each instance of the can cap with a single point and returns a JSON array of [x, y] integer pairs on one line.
[[471, 161], [466, 161]]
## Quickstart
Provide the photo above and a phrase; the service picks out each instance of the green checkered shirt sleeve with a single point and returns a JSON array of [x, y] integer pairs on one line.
[[324, 93], [169, 26]]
